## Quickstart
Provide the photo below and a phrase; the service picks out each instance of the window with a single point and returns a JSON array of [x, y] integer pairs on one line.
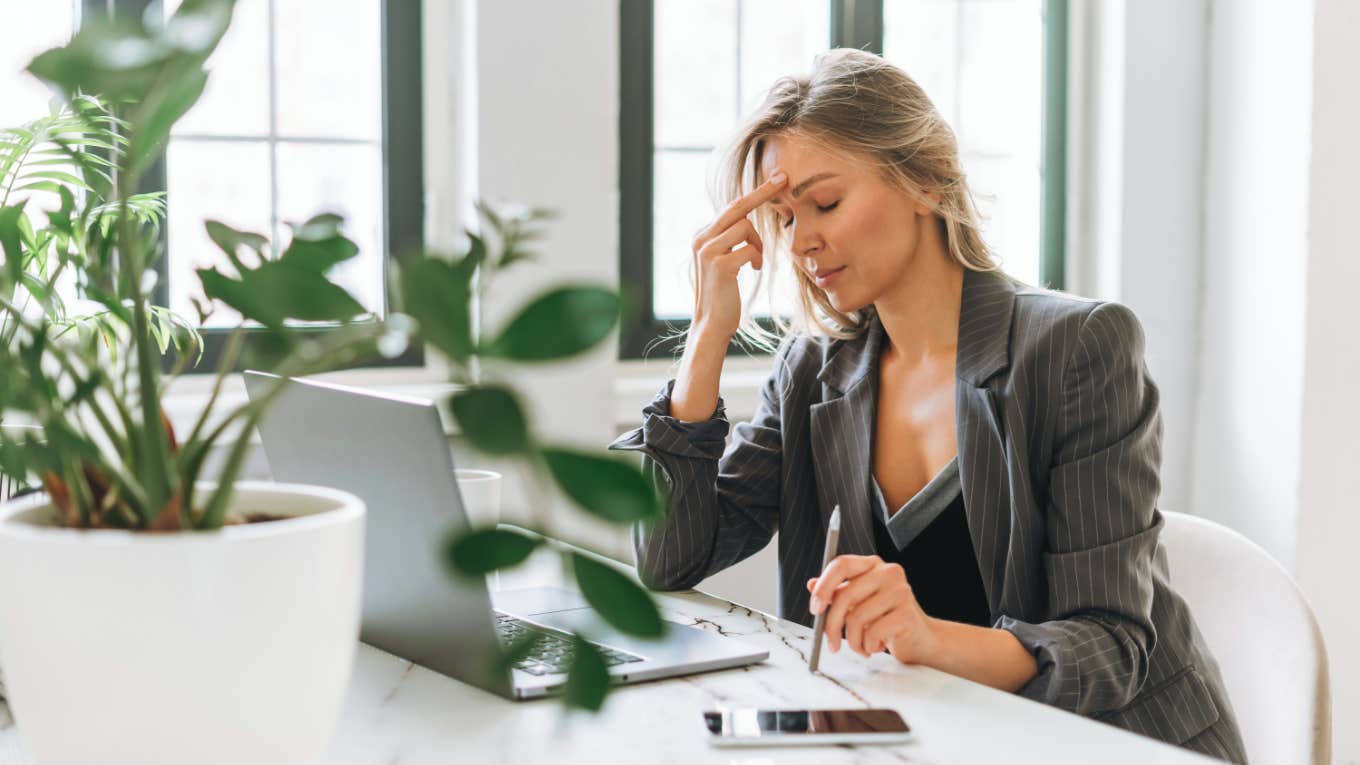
[[312, 106], [996, 69], [43, 25]]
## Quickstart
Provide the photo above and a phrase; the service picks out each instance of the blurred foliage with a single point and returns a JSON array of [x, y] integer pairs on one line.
[[107, 454]]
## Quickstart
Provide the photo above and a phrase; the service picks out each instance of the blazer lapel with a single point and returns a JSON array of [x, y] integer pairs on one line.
[[983, 351], [842, 429]]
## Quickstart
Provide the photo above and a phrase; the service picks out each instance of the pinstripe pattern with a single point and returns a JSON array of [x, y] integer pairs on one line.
[[1059, 436]]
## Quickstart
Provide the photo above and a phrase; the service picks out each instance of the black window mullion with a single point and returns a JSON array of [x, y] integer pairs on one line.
[[642, 333], [857, 24], [636, 68], [154, 177], [1053, 154]]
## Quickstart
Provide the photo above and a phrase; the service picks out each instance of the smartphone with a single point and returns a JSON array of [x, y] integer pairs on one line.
[[792, 727]]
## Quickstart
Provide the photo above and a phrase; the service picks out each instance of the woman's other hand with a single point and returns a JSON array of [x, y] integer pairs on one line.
[[873, 602]]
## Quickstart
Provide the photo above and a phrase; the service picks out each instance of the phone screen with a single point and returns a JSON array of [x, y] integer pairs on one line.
[[759, 723]]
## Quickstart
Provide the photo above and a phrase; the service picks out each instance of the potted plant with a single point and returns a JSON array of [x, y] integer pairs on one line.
[[149, 605], [65, 157], [163, 617]]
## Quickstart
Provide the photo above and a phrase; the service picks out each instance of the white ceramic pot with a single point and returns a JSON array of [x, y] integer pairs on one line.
[[231, 646]]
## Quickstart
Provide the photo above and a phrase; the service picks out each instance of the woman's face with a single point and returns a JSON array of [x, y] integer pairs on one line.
[[851, 232]]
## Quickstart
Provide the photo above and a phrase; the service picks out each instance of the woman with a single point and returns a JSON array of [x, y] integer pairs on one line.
[[994, 448]]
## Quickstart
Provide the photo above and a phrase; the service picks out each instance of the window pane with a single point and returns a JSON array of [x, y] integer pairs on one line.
[[680, 207], [712, 58], [1006, 190], [1001, 76], [922, 37], [329, 68], [236, 101], [778, 38], [347, 180], [981, 62], [30, 28], [221, 180], [696, 71]]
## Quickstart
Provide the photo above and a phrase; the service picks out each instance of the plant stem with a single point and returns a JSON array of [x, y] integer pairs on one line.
[[224, 366], [215, 511]]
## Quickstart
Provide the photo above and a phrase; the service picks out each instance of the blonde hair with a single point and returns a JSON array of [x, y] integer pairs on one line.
[[854, 102]]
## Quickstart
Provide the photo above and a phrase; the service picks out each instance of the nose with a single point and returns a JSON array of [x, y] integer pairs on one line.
[[805, 242]]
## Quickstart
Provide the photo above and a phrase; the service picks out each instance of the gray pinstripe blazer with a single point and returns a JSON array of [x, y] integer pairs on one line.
[[1059, 437]]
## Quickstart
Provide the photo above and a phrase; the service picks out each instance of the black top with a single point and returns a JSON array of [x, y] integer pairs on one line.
[[929, 538]]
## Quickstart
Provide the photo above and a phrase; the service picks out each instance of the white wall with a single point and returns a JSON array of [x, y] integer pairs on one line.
[[546, 101], [1329, 475], [1247, 447], [1137, 190]]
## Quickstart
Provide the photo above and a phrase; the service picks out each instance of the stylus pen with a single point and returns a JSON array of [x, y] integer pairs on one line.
[[833, 537]]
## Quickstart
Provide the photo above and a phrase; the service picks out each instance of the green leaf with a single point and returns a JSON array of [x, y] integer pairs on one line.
[[479, 552], [122, 62], [60, 219], [512, 257], [319, 255], [587, 678], [438, 296], [113, 59], [58, 176], [277, 291], [231, 240], [10, 244], [621, 601], [491, 419], [561, 323], [604, 486], [476, 255], [51, 186], [158, 114], [317, 227]]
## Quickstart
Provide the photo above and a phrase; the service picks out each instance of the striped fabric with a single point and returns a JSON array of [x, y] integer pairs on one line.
[[1059, 437]]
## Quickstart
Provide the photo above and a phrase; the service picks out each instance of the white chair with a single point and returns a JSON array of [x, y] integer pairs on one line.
[[1262, 632]]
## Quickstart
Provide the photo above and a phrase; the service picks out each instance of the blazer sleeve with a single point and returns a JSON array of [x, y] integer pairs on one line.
[[1102, 524], [723, 505]]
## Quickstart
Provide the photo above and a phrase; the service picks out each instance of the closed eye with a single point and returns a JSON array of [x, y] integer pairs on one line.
[[820, 208]]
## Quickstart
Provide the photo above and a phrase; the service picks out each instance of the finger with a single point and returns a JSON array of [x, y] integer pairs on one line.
[[727, 241], [883, 630], [811, 583], [842, 568], [737, 257], [747, 204], [865, 613], [845, 599], [756, 250]]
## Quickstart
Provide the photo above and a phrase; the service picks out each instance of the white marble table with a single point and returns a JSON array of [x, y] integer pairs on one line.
[[400, 714]]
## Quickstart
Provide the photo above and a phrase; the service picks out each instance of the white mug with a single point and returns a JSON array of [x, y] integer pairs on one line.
[[481, 492]]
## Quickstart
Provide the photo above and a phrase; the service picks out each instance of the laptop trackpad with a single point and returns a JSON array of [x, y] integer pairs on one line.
[[531, 601]]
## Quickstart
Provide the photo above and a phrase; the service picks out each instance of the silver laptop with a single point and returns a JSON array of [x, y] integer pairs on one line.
[[392, 452]]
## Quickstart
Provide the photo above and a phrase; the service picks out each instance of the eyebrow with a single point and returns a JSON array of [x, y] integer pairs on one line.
[[800, 188]]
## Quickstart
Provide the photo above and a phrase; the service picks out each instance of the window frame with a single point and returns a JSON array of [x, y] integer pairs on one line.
[[403, 171], [854, 24]]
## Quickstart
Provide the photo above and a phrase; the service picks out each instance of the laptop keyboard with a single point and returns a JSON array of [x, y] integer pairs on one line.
[[552, 653]]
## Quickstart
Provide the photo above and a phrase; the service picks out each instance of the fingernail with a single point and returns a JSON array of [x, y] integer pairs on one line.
[[779, 177], [816, 607]]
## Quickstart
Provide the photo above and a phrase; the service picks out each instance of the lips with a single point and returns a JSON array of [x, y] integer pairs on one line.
[[825, 278]]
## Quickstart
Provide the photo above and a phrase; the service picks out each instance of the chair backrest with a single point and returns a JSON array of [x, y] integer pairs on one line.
[[1263, 634]]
